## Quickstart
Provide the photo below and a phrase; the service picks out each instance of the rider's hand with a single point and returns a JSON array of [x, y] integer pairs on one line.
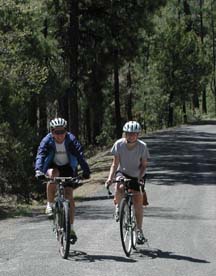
[[39, 175], [141, 180], [108, 183]]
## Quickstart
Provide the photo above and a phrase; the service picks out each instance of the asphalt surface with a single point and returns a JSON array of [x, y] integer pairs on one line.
[[179, 223]]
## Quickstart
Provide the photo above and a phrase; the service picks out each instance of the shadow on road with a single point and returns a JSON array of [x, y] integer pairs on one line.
[[183, 156], [94, 212], [80, 256], [157, 253], [94, 198]]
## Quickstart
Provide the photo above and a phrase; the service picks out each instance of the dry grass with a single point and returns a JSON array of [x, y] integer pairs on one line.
[[99, 165]]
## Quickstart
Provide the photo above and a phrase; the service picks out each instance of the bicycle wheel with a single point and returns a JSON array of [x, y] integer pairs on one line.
[[133, 228], [64, 237], [56, 226], [125, 227]]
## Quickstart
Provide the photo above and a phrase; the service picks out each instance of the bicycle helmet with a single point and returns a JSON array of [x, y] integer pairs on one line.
[[58, 122], [132, 126]]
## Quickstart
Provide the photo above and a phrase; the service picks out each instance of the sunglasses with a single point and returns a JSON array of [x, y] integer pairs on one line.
[[59, 132], [131, 133]]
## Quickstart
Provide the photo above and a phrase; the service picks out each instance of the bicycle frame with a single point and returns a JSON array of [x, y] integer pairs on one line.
[[61, 183], [61, 213], [127, 217]]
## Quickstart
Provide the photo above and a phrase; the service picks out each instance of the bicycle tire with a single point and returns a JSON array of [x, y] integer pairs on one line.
[[134, 228], [125, 226], [64, 237], [56, 225]]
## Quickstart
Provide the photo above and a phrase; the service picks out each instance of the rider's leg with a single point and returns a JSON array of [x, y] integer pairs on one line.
[[119, 193], [51, 188], [138, 207], [119, 189]]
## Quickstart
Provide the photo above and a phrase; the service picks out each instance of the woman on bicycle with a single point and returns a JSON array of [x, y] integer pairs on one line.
[[130, 156], [58, 154]]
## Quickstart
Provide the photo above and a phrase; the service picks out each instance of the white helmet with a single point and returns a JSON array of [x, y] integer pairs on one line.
[[132, 126], [58, 122]]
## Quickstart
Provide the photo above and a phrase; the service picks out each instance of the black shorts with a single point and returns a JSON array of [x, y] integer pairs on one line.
[[64, 171], [133, 184]]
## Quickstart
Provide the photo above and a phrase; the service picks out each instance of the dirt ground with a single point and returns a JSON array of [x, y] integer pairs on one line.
[[99, 165]]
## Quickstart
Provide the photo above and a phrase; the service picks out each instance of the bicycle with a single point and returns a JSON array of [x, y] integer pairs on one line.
[[61, 213], [127, 219]]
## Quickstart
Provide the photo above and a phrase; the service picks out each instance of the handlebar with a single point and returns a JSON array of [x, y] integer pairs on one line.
[[124, 181], [65, 181]]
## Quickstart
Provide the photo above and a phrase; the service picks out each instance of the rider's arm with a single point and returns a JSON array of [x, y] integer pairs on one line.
[[113, 167], [75, 149], [143, 166], [42, 153]]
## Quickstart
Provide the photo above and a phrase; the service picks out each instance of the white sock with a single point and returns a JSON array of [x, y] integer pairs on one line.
[[50, 204], [72, 227]]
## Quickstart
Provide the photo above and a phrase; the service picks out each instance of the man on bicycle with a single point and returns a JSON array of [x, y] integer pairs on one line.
[[59, 154], [130, 156]]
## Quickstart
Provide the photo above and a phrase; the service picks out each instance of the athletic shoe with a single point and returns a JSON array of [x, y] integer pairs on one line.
[[49, 211], [73, 236], [140, 237]]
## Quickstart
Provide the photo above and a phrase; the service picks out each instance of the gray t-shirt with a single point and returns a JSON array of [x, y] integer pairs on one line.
[[130, 159], [61, 157]]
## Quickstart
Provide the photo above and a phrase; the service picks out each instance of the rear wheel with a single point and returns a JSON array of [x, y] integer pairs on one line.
[[64, 237], [125, 227]]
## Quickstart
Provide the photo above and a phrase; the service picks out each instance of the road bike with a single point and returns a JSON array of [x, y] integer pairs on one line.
[[127, 219], [61, 213]]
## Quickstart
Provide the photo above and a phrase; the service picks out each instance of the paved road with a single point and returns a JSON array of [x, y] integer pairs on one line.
[[180, 222]]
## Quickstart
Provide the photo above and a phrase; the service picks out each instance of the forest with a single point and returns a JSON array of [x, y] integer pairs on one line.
[[99, 64]]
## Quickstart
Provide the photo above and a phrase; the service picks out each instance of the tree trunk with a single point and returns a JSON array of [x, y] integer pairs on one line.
[[170, 110], [116, 95], [195, 98], [187, 12], [129, 95], [42, 115], [73, 38], [184, 113], [88, 122], [32, 111], [179, 10], [213, 55], [204, 103]]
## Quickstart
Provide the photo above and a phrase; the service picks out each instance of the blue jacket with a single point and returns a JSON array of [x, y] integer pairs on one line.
[[46, 152]]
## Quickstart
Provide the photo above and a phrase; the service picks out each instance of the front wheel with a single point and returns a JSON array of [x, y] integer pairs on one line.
[[133, 228], [64, 237], [125, 227]]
